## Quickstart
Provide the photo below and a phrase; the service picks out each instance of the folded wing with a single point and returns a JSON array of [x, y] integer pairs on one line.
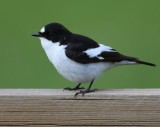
[[85, 52]]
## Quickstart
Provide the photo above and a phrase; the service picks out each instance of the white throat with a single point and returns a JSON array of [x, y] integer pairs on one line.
[[45, 43], [52, 50]]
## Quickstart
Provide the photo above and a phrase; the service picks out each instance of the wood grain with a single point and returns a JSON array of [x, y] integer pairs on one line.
[[55, 107]]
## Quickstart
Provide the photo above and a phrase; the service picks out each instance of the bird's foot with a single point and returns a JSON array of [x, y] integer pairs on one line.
[[72, 89], [83, 92]]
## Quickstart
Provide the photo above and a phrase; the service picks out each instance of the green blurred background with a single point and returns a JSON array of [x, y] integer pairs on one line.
[[130, 26]]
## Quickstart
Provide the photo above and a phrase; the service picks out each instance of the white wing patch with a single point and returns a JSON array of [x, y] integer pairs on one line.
[[42, 30], [99, 57], [94, 52]]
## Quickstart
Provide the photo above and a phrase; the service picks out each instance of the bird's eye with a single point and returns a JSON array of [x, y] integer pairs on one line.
[[50, 34]]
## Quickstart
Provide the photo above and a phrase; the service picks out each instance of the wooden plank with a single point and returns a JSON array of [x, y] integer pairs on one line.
[[55, 107]]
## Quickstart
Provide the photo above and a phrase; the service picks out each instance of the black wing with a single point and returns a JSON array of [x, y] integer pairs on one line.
[[81, 43], [75, 50], [117, 57], [113, 57], [78, 44]]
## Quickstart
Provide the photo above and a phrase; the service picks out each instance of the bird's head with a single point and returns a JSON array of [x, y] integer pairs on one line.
[[54, 32]]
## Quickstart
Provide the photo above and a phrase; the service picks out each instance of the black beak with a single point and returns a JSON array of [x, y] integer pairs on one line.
[[37, 34]]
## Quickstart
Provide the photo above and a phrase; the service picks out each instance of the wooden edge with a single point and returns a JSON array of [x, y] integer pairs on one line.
[[100, 94]]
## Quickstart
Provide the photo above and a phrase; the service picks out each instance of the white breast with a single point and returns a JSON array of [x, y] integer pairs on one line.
[[73, 71]]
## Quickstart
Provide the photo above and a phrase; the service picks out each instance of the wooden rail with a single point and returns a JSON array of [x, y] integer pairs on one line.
[[55, 107]]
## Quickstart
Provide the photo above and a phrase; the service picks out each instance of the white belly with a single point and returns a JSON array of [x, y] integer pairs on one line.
[[73, 71]]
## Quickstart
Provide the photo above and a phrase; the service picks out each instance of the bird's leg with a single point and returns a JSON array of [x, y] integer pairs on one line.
[[88, 90], [75, 88]]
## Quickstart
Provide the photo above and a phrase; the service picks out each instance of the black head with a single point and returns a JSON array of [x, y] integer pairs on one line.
[[54, 32]]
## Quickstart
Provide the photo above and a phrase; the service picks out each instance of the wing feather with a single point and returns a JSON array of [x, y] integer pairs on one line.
[[84, 50]]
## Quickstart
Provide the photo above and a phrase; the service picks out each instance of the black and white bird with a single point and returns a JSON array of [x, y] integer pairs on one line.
[[79, 58]]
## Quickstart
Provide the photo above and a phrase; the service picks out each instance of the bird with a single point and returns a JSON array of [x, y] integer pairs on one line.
[[79, 58]]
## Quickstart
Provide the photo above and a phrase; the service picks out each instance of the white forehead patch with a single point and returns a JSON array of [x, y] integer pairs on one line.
[[42, 30]]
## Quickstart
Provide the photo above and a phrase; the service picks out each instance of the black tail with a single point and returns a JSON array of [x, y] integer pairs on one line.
[[146, 63], [134, 59]]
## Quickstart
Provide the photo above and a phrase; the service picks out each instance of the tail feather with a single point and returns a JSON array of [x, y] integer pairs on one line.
[[136, 60], [146, 63]]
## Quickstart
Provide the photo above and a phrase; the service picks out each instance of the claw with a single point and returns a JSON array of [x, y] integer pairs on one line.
[[71, 89], [83, 92]]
